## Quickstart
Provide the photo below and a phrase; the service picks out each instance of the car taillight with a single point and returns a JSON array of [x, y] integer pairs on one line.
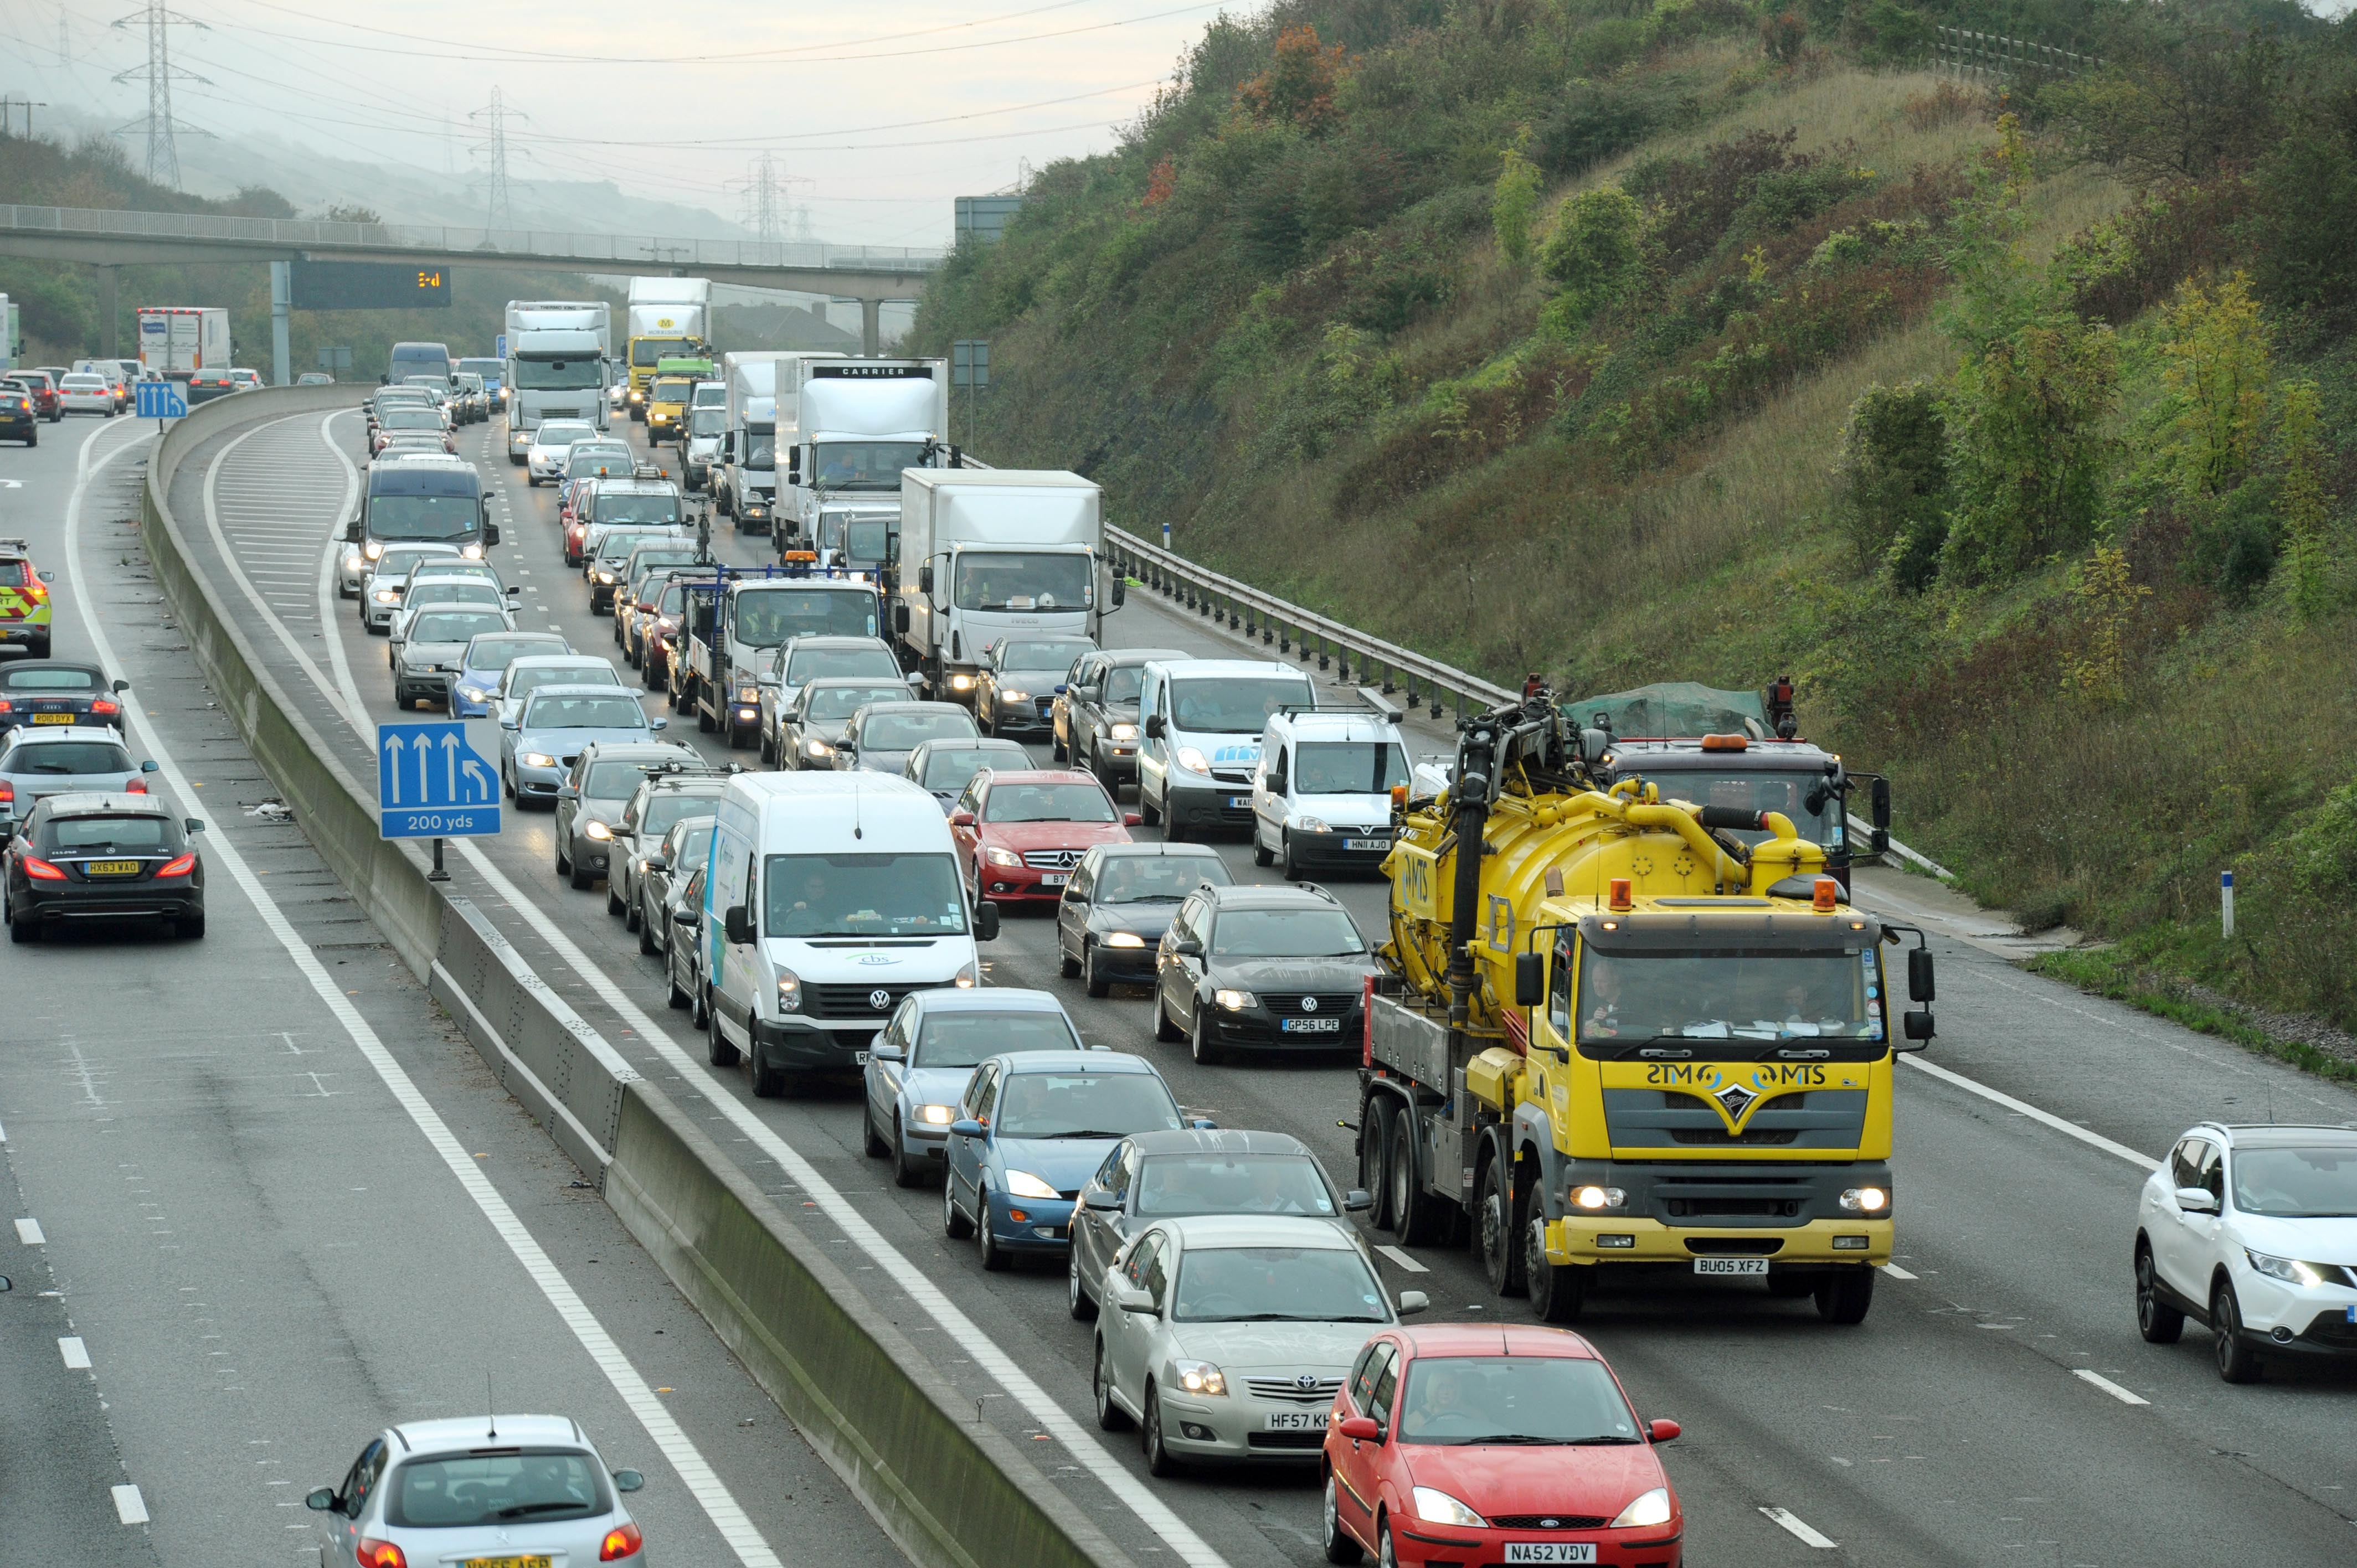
[[136, 786], [7, 793], [41, 870], [102, 706], [375, 1553], [622, 1540], [180, 866], [6, 706]]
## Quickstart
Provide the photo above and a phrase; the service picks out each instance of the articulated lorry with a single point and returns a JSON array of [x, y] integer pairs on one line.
[[1632, 1036], [179, 340], [763, 399], [861, 422], [559, 364], [992, 553], [669, 318]]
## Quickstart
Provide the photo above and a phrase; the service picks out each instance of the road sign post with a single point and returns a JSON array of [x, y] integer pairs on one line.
[[159, 400], [431, 784]]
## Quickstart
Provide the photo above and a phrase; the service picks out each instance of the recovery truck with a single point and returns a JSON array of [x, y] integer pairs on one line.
[[731, 622], [1619, 1041], [1738, 749]]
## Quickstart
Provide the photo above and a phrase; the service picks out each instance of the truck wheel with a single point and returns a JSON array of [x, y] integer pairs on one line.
[[704, 723], [1375, 1158], [1558, 1290], [1496, 1231], [1844, 1293], [1418, 1219]]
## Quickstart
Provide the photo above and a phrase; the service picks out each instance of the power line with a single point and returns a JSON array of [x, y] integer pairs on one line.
[[163, 151], [494, 117]]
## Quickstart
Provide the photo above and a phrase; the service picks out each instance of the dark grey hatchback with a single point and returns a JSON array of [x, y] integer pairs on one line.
[[103, 857]]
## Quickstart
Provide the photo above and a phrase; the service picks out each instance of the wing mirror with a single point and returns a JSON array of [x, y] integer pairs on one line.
[[1155, 726], [1131, 819], [123, 685], [149, 766], [628, 1480], [352, 532], [320, 1499], [1134, 1298], [686, 915], [658, 863], [192, 824], [1412, 1302], [1530, 978], [738, 925], [985, 922], [1919, 975], [1662, 1431], [925, 579], [961, 819], [660, 723], [1186, 947], [2197, 1200], [1358, 1200], [886, 1054], [900, 625], [1120, 592], [967, 1127], [1362, 1429], [1103, 1201]]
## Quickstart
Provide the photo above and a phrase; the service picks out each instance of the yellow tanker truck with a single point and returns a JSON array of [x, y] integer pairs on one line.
[[1631, 1035]]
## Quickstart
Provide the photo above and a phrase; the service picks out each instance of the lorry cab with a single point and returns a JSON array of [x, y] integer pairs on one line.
[[748, 458], [668, 393], [734, 624], [830, 897], [862, 539], [1322, 791], [410, 498], [1201, 752], [554, 374]]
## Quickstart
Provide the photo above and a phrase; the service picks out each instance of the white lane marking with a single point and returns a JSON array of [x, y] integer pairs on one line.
[[1896, 1272], [2126, 1396], [1799, 1527], [76, 1353], [129, 1506], [710, 1492], [2071, 1129], [28, 1231], [229, 556], [1403, 1259]]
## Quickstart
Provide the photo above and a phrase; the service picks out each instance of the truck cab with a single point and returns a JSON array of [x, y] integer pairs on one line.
[[749, 466], [737, 618], [552, 373], [862, 538]]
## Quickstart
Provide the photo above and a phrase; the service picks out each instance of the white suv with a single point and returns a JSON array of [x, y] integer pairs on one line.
[[2252, 1232]]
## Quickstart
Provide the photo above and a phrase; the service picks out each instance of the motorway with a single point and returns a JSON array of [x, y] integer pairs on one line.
[[1998, 1407]]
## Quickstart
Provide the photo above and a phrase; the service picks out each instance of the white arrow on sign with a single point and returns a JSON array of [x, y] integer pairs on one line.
[[479, 777], [450, 760], [393, 767]]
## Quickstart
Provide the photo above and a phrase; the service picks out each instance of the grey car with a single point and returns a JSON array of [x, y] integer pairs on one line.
[[479, 585], [425, 661], [1159, 1176], [589, 802], [683, 953], [883, 734], [662, 880], [1115, 911], [690, 789], [813, 725], [543, 734], [1095, 713], [383, 580], [527, 674], [63, 759], [917, 1066], [603, 568], [1015, 688], [799, 661], [946, 766]]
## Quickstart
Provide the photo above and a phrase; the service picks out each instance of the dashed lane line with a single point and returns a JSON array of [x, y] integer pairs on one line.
[[2126, 1396], [76, 1353], [1800, 1528], [2071, 1129], [129, 1506]]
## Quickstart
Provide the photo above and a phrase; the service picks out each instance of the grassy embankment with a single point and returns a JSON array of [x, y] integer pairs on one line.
[[1631, 343]]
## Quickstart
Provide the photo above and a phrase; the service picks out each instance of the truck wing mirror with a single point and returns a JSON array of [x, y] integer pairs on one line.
[[1880, 805], [1120, 589], [925, 579], [352, 532], [1919, 975], [1917, 1024], [1530, 978], [900, 619]]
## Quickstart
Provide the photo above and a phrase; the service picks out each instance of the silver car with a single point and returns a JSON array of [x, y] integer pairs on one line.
[[63, 759], [425, 661], [544, 457], [532, 671], [542, 735], [599, 784], [882, 735], [479, 589], [383, 580], [481, 1488]]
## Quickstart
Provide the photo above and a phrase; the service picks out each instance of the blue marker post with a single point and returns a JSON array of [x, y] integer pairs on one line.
[[2226, 901], [430, 783]]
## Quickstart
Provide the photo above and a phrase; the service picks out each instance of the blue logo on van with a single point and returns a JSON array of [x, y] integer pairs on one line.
[[1237, 753]]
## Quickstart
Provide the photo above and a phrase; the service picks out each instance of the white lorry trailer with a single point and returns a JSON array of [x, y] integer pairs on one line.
[[179, 340], [559, 364], [764, 397], [862, 422], [992, 553]]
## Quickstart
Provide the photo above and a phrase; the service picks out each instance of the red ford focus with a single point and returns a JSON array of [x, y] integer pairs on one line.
[[1020, 834], [1461, 1444]]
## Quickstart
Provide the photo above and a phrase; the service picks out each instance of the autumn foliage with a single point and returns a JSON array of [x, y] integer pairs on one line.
[[1298, 85]]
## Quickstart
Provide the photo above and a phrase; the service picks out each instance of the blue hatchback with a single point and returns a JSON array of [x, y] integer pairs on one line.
[[1032, 1127]]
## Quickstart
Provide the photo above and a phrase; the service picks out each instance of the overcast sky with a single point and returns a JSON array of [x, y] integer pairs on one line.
[[881, 110]]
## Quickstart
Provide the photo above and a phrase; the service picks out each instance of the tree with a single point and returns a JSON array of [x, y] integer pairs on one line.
[[1893, 479], [1513, 203], [2107, 598], [2031, 456], [2307, 544], [2000, 289], [2218, 369], [1595, 251], [1297, 88], [2189, 101]]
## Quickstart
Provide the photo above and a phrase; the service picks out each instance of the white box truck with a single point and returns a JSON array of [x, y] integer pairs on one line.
[[763, 399], [668, 319], [992, 553], [179, 340], [559, 363], [862, 422]]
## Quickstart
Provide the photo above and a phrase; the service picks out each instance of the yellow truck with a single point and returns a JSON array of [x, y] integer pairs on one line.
[[1633, 1036], [668, 395]]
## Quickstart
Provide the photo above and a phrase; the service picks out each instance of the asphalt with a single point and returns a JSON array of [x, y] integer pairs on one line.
[[242, 1164], [1950, 1428]]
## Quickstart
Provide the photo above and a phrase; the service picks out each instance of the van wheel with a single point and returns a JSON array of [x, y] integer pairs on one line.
[[716, 1048], [1147, 812], [1262, 854], [1290, 868], [769, 1082]]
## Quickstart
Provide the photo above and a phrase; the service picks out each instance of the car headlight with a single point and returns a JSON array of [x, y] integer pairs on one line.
[[1125, 732], [1199, 1378], [790, 992], [604, 577], [937, 1115], [372, 549], [1652, 1508], [1193, 761], [475, 693], [472, 551], [1010, 694], [596, 830], [1436, 1507], [817, 749], [2291, 1271], [1124, 939], [1595, 1198], [1023, 1184], [1002, 858], [537, 759], [1312, 824], [1866, 1200], [1234, 1001], [388, 596]]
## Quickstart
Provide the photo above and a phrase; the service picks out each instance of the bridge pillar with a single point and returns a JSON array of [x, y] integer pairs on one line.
[[871, 327], [109, 325], [282, 283]]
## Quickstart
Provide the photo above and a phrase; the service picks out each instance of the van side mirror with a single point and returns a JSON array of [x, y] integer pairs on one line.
[[490, 534], [1155, 728], [1120, 591], [900, 619], [738, 925], [1919, 975], [1530, 978], [985, 921], [352, 532]]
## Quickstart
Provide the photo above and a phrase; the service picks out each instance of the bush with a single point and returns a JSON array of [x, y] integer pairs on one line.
[[1893, 476], [1595, 251], [1513, 203], [2031, 458], [1594, 122]]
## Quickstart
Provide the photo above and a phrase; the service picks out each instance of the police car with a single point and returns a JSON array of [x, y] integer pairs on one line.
[[24, 599]]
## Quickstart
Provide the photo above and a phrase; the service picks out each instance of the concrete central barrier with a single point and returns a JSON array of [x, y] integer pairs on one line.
[[950, 1491]]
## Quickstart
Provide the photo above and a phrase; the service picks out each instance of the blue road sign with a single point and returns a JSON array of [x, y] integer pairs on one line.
[[431, 784], [159, 400], [500, 346]]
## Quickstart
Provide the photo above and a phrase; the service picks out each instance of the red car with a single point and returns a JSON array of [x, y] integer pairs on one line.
[[1461, 1443], [38, 386], [1021, 833]]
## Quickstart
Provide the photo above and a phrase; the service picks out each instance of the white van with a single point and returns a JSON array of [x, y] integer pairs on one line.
[[1203, 720], [1322, 793], [829, 896]]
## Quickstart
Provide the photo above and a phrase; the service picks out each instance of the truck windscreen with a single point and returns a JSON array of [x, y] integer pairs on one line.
[[555, 375], [646, 353], [762, 450], [988, 580], [767, 616], [442, 506], [1728, 993], [866, 465]]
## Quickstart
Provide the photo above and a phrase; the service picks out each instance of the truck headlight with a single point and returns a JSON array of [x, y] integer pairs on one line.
[[372, 549], [749, 693], [473, 551], [1201, 1378], [1023, 1184], [1234, 1001], [960, 683], [1866, 1200], [790, 992], [1599, 1197], [1193, 761]]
